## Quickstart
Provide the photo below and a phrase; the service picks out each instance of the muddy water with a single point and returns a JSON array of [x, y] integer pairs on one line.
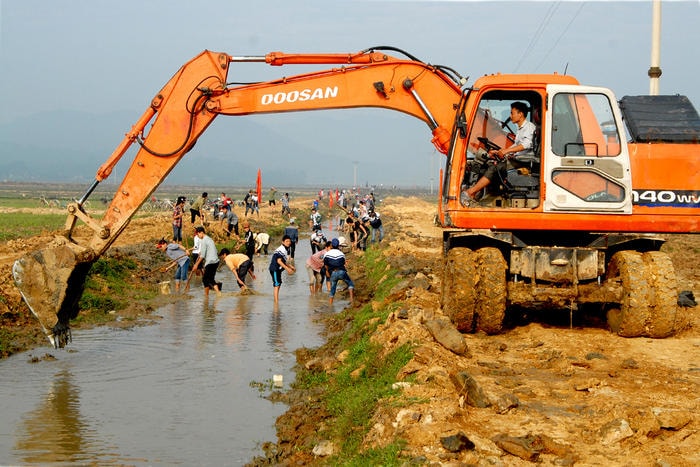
[[183, 391]]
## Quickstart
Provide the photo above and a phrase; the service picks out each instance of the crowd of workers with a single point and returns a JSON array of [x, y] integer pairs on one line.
[[358, 224]]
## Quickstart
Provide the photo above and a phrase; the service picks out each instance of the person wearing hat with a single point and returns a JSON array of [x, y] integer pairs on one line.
[[210, 258], [334, 260], [262, 243], [292, 231], [317, 240]]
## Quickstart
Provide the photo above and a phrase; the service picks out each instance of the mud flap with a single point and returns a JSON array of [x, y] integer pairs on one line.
[[51, 282]]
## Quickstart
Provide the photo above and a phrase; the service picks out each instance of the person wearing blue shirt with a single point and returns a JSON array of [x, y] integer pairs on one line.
[[334, 260]]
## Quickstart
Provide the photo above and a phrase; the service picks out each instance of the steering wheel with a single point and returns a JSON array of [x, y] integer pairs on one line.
[[490, 145]]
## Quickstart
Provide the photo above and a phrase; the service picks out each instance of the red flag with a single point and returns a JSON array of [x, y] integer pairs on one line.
[[330, 198], [258, 188]]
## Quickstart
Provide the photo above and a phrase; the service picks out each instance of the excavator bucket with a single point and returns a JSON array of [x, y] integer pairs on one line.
[[51, 282]]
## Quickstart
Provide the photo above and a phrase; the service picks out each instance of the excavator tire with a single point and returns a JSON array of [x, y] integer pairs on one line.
[[663, 305], [458, 294], [631, 318], [490, 290]]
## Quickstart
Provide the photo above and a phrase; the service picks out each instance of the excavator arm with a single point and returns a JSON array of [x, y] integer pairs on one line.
[[51, 280]]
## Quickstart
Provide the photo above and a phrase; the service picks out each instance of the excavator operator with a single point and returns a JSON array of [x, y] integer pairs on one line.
[[490, 167]]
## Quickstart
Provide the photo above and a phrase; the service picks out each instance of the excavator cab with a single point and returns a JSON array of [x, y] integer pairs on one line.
[[519, 180]]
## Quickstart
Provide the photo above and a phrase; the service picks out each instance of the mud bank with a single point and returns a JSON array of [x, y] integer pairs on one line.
[[551, 389]]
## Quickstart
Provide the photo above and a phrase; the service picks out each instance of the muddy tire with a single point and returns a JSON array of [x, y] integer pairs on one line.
[[630, 319], [663, 286], [458, 296], [490, 290]]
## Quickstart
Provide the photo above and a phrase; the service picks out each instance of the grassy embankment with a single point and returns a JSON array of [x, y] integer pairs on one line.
[[365, 378], [25, 224], [110, 286]]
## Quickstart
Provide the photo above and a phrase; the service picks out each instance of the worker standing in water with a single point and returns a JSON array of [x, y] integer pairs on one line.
[[278, 263]]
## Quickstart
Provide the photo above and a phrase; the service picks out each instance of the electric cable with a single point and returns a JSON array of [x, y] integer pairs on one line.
[[566, 29], [196, 107], [538, 33]]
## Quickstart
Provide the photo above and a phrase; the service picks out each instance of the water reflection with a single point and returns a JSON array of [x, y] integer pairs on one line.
[[236, 329], [207, 334], [275, 337], [174, 317], [55, 430]]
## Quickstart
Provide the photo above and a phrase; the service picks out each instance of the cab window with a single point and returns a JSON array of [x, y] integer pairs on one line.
[[584, 125], [589, 186], [492, 118]]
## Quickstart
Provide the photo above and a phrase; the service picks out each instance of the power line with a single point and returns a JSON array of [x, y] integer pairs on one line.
[[566, 29], [538, 33]]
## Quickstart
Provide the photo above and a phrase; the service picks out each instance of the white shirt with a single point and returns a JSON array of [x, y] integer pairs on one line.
[[261, 239], [197, 244], [525, 137]]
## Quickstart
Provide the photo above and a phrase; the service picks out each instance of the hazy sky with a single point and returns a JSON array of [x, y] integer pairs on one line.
[[103, 56]]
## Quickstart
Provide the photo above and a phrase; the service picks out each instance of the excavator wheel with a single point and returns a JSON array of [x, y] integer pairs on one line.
[[630, 319], [458, 294], [661, 278], [490, 290]]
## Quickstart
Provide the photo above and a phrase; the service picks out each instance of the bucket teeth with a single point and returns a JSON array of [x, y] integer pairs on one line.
[[51, 282]]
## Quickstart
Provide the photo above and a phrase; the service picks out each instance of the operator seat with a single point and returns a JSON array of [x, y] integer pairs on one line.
[[531, 159], [525, 184]]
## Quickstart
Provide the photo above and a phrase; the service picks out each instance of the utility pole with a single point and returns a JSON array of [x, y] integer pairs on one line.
[[655, 68]]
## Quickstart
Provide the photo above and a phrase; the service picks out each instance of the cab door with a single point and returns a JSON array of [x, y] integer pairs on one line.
[[586, 161]]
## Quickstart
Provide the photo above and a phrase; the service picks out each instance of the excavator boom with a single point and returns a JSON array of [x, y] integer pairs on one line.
[[51, 280]]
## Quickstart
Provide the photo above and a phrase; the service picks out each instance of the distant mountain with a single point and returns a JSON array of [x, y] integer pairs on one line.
[[319, 148], [70, 147]]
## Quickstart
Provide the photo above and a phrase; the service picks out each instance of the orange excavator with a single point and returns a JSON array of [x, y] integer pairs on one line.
[[573, 223]]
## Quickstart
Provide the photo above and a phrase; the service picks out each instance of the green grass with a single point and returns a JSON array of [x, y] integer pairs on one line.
[[108, 288], [20, 203], [23, 224], [352, 394]]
